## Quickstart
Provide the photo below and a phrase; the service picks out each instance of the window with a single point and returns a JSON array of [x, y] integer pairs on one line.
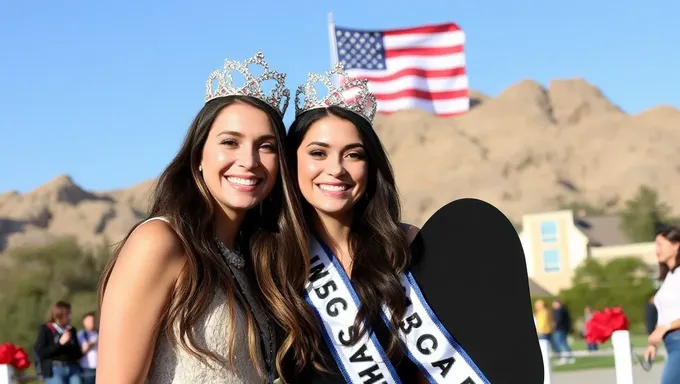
[[549, 231], [551, 260]]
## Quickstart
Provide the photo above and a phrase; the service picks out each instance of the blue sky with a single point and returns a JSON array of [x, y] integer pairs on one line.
[[105, 92]]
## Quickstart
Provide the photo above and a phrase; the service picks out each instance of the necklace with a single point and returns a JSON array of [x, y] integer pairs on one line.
[[236, 264], [231, 257]]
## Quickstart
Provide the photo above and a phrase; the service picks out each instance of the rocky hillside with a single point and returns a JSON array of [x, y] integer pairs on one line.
[[62, 208], [525, 150], [530, 148]]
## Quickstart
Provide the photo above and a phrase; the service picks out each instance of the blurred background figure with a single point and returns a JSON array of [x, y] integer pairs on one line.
[[667, 301], [544, 322], [562, 321], [587, 315], [57, 347], [87, 339]]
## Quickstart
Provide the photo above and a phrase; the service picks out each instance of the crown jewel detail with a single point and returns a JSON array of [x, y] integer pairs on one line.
[[278, 98], [362, 102]]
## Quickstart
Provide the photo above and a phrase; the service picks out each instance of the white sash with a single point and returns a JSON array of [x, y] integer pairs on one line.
[[428, 344], [336, 306]]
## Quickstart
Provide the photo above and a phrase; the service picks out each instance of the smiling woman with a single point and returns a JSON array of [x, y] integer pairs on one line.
[[183, 300], [352, 208], [332, 168], [239, 162]]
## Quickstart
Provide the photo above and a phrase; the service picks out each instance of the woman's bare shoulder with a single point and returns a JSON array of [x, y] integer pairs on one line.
[[157, 241]]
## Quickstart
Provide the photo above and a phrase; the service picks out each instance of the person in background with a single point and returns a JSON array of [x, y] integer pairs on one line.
[[57, 347], [87, 339], [544, 322], [651, 316], [562, 321], [587, 315], [667, 301]]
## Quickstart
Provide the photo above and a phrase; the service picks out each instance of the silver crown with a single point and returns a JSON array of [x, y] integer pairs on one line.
[[362, 103], [253, 85]]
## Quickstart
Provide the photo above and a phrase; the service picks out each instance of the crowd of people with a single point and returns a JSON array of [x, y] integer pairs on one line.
[[64, 354]]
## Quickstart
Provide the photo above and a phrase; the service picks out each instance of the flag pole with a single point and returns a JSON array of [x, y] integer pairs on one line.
[[333, 42]]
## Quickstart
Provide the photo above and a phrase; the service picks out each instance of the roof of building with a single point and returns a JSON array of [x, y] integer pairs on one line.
[[536, 290], [602, 230]]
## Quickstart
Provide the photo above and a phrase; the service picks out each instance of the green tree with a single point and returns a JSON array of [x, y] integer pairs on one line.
[[34, 277], [642, 214], [624, 282]]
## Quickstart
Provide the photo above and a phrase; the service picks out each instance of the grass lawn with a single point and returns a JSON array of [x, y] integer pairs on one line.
[[638, 341], [592, 362]]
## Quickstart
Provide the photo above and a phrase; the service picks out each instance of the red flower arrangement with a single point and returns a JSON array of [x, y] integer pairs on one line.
[[14, 356], [603, 323]]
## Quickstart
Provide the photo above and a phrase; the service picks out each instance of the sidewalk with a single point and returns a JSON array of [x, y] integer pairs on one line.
[[610, 352], [608, 376]]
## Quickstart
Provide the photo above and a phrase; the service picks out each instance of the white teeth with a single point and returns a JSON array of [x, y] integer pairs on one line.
[[240, 181], [332, 188]]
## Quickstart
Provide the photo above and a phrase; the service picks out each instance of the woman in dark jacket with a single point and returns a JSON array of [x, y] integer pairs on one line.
[[57, 347]]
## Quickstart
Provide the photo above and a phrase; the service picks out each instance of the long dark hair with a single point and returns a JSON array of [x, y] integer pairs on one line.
[[672, 234], [378, 244], [270, 235]]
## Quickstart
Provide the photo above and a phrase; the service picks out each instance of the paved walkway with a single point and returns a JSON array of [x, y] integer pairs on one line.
[[607, 376]]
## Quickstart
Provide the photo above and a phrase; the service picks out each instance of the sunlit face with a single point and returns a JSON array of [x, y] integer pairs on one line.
[[332, 166], [240, 160], [665, 250]]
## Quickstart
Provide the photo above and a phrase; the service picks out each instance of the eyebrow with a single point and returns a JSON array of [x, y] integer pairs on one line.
[[325, 145], [239, 134], [233, 133]]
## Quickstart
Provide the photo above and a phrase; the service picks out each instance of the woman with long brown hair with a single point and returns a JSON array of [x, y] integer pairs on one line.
[[180, 302], [359, 250], [667, 301]]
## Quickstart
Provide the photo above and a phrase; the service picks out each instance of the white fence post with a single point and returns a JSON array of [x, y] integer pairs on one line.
[[6, 374], [623, 359], [545, 352]]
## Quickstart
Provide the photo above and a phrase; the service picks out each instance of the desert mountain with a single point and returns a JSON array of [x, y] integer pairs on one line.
[[525, 150], [62, 208]]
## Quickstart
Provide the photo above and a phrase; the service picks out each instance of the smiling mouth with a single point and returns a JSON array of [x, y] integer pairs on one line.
[[244, 184], [334, 188]]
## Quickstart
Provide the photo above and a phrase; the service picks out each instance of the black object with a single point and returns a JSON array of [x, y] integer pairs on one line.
[[651, 317], [469, 263]]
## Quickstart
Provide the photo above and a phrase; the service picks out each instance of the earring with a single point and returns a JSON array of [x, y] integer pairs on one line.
[[200, 168]]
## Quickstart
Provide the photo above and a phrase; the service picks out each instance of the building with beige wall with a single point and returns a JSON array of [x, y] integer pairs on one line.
[[556, 243]]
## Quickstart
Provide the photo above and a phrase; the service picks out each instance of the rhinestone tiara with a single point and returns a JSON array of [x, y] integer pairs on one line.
[[278, 98], [358, 100]]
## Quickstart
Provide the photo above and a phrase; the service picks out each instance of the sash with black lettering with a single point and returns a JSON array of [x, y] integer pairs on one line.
[[427, 342], [429, 345], [336, 304]]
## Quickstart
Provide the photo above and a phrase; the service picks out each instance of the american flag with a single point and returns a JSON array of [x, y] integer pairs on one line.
[[421, 67]]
